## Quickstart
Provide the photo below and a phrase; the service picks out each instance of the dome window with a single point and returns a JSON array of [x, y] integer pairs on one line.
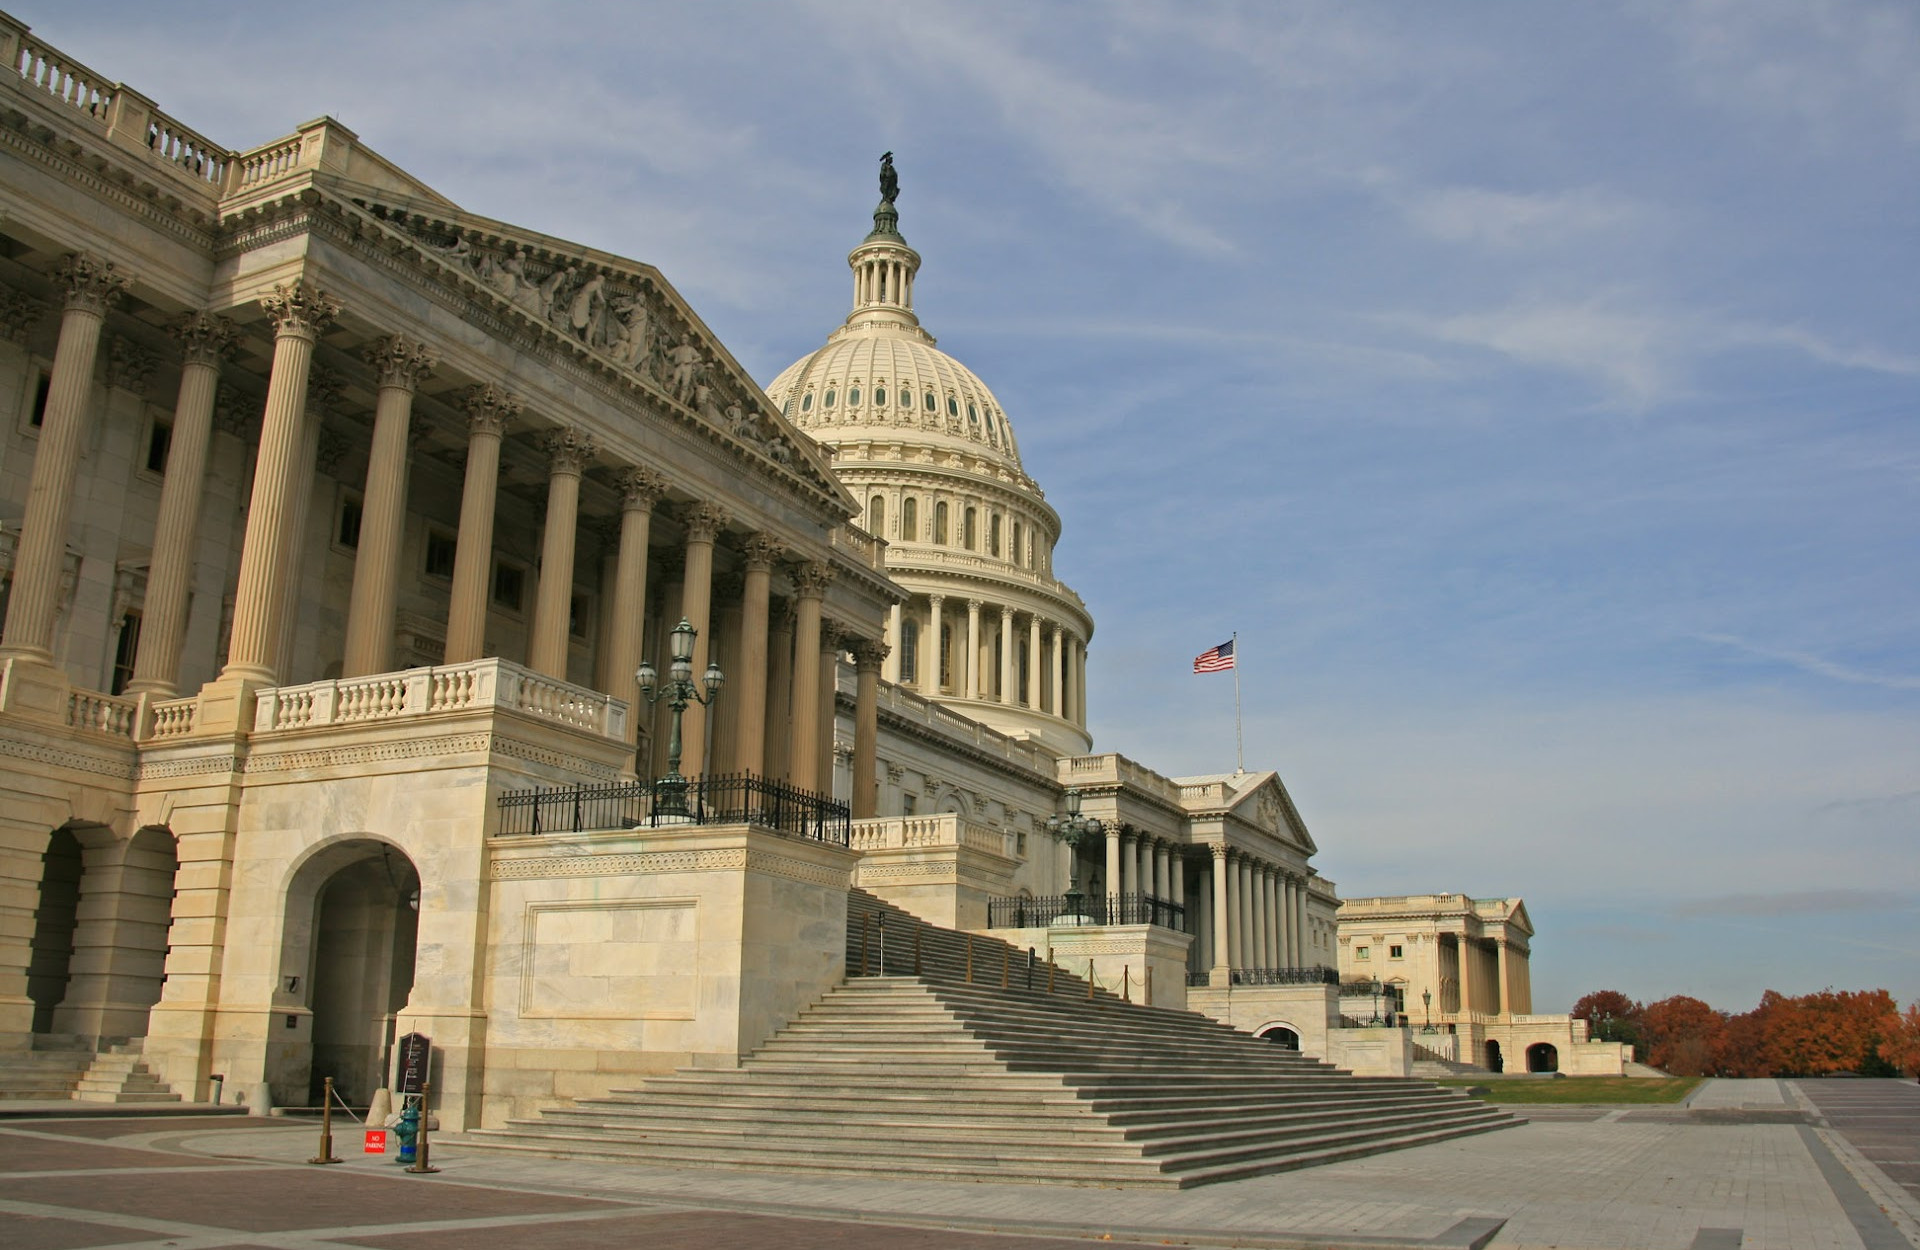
[[853, 397], [930, 402], [973, 414], [806, 402], [953, 406], [829, 400], [880, 396]]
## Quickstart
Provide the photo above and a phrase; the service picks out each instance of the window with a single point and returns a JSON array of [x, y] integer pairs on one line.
[[346, 524], [124, 652], [579, 616], [42, 389], [159, 442], [1362, 952], [910, 651], [509, 585], [806, 402], [946, 652], [931, 403], [877, 517], [909, 519], [1019, 545], [1022, 664], [940, 523], [853, 397], [880, 396], [829, 401], [1395, 952], [906, 804], [440, 549], [973, 414], [993, 534], [969, 530], [953, 406]]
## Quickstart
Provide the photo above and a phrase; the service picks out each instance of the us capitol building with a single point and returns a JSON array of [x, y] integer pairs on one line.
[[335, 522]]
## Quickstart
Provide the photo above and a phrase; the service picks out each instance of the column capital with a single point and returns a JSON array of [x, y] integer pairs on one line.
[[811, 579], [300, 308], [704, 521], [868, 655], [760, 551], [129, 365], [640, 489], [205, 339], [489, 408], [90, 284], [974, 605], [568, 450], [936, 600], [19, 313], [400, 362], [1006, 613], [832, 634]]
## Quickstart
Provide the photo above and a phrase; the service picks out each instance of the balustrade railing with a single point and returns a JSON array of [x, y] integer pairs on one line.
[[1286, 976], [732, 799], [1034, 913], [102, 713], [490, 683], [175, 718]]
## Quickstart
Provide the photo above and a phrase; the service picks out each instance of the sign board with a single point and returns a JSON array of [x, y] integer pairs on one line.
[[416, 1051], [376, 1141]]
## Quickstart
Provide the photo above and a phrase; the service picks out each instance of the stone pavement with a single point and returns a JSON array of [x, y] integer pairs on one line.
[[1612, 1181]]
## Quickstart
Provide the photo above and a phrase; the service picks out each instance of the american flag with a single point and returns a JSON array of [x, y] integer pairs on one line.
[[1217, 660]]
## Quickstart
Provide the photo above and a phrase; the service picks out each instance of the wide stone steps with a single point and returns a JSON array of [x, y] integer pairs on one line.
[[120, 1077], [932, 1077]]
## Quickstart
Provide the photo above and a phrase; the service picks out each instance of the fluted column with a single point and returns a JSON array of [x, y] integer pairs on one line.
[[400, 364], [867, 658], [1113, 860], [1177, 879], [568, 454], [931, 649], [640, 490], [803, 736], [1236, 910], [891, 670], [748, 687], [1129, 882], [299, 313], [779, 690], [40, 558], [1033, 662], [1057, 673], [1300, 916], [704, 522], [1289, 954], [973, 649], [489, 409], [1504, 1005], [1007, 694], [1080, 682], [1259, 923], [1276, 911], [1221, 931], [833, 639], [205, 340]]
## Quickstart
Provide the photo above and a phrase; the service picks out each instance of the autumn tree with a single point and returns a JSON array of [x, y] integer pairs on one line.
[[1683, 1035], [1900, 1041], [1610, 1015], [1827, 1032], [1743, 1044]]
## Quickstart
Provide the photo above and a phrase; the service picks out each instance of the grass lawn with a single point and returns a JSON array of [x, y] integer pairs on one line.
[[1582, 1089]]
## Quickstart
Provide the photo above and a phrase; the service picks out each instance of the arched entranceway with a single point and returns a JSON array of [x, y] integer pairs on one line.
[[50, 964], [100, 931], [1543, 1057], [1281, 1036], [347, 956], [1495, 1063]]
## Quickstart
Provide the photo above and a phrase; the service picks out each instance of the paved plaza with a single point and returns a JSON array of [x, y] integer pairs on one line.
[[1793, 1165]]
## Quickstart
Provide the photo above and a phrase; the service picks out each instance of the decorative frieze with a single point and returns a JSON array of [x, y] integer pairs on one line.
[[130, 366], [19, 314]]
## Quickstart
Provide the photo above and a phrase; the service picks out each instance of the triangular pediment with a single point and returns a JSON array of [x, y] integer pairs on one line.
[[622, 313], [1266, 804]]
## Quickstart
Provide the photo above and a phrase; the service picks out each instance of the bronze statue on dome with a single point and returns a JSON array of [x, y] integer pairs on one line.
[[889, 180]]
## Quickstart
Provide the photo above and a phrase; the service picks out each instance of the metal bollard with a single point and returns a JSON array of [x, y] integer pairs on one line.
[[326, 1128], [1089, 980], [1030, 958], [882, 926], [420, 1165], [1126, 986]]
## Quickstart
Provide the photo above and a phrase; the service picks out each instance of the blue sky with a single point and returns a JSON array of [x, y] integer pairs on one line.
[[1534, 388]]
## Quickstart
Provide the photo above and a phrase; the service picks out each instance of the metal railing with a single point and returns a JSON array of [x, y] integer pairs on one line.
[[1286, 976], [1035, 913], [731, 799]]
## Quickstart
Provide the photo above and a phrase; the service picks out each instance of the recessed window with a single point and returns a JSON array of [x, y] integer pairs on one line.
[[880, 396], [969, 529], [931, 404], [909, 519], [806, 402], [1362, 952], [907, 802], [579, 616], [41, 390], [906, 398], [346, 527], [953, 406], [829, 400], [159, 442], [973, 414], [1395, 952], [853, 397], [509, 585], [124, 652], [993, 534], [440, 551], [910, 650]]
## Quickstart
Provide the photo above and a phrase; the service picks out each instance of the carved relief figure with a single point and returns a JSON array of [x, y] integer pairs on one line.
[[688, 365]]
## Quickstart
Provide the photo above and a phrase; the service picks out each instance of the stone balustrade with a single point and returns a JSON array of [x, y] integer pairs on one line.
[[479, 684], [173, 718], [862, 546], [942, 829], [911, 707], [1116, 770], [102, 713], [930, 556]]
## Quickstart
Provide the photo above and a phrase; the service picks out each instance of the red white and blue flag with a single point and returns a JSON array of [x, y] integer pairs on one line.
[[1217, 660]]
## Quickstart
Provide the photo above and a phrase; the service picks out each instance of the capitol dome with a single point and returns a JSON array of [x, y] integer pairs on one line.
[[928, 451]]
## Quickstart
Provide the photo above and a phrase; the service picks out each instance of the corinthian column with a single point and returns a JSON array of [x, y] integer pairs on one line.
[[1033, 662], [488, 411], [41, 556], [1221, 973], [935, 650], [299, 313], [1006, 657], [704, 523], [568, 453], [810, 583], [867, 658], [401, 364], [749, 687], [973, 649], [640, 490], [1059, 708], [156, 665]]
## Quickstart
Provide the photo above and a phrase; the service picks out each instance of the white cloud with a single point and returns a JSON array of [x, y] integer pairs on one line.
[[1817, 665], [1633, 355]]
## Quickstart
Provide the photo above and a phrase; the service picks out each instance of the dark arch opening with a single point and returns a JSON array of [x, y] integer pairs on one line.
[[1494, 1061], [50, 963], [1283, 1037], [1543, 1057]]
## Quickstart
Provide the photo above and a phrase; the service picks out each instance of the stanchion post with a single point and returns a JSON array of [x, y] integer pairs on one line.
[[420, 1164], [326, 1128], [1006, 956], [1126, 983], [1089, 980], [1030, 959], [881, 925]]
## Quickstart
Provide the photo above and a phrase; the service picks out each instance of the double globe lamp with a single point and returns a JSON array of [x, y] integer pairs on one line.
[[670, 793]]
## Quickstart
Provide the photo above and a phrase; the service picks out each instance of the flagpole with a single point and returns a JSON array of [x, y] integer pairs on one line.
[[1239, 742]]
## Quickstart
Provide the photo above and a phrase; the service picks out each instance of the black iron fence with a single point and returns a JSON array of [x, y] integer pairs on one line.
[[731, 799], [1286, 976], [1034, 913]]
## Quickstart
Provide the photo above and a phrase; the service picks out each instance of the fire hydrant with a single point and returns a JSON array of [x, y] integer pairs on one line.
[[407, 1131]]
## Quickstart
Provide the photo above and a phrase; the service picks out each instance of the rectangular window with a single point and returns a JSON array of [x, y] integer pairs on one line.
[[346, 529], [1395, 952], [124, 652], [906, 804], [159, 442], [1362, 952], [440, 549], [509, 585], [42, 389], [579, 616]]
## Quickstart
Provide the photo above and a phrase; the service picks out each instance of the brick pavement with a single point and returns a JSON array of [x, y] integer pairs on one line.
[[1608, 1183]]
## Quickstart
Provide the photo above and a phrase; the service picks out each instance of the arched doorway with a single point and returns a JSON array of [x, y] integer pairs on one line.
[[347, 957], [1281, 1036], [1495, 1063], [50, 962], [1543, 1057], [100, 924]]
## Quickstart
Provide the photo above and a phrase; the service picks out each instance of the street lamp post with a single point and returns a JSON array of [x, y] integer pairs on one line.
[[1074, 829], [1375, 987], [1426, 998], [671, 790]]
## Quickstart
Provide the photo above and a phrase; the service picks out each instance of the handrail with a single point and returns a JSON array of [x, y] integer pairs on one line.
[[730, 799]]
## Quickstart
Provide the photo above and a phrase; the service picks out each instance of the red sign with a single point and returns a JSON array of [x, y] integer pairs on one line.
[[376, 1141]]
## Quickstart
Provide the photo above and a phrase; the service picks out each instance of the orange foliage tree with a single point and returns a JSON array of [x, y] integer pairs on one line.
[[1818, 1034], [1900, 1046], [1683, 1035]]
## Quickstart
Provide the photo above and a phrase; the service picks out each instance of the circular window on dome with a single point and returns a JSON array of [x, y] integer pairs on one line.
[[853, 397], [880, 396], [829, 400], [931, 405], [953, 406], [806, 402]]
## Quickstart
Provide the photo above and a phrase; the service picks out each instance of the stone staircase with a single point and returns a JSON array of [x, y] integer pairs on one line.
[[62, 1068], [120, 1075], [927, 1076]]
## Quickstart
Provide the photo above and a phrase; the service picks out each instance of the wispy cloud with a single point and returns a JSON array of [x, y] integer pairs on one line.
[[1793, 903], [1508, 219], [1817, 665]]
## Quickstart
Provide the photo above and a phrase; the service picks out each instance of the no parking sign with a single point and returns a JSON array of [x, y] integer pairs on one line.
[[376, 1141]]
